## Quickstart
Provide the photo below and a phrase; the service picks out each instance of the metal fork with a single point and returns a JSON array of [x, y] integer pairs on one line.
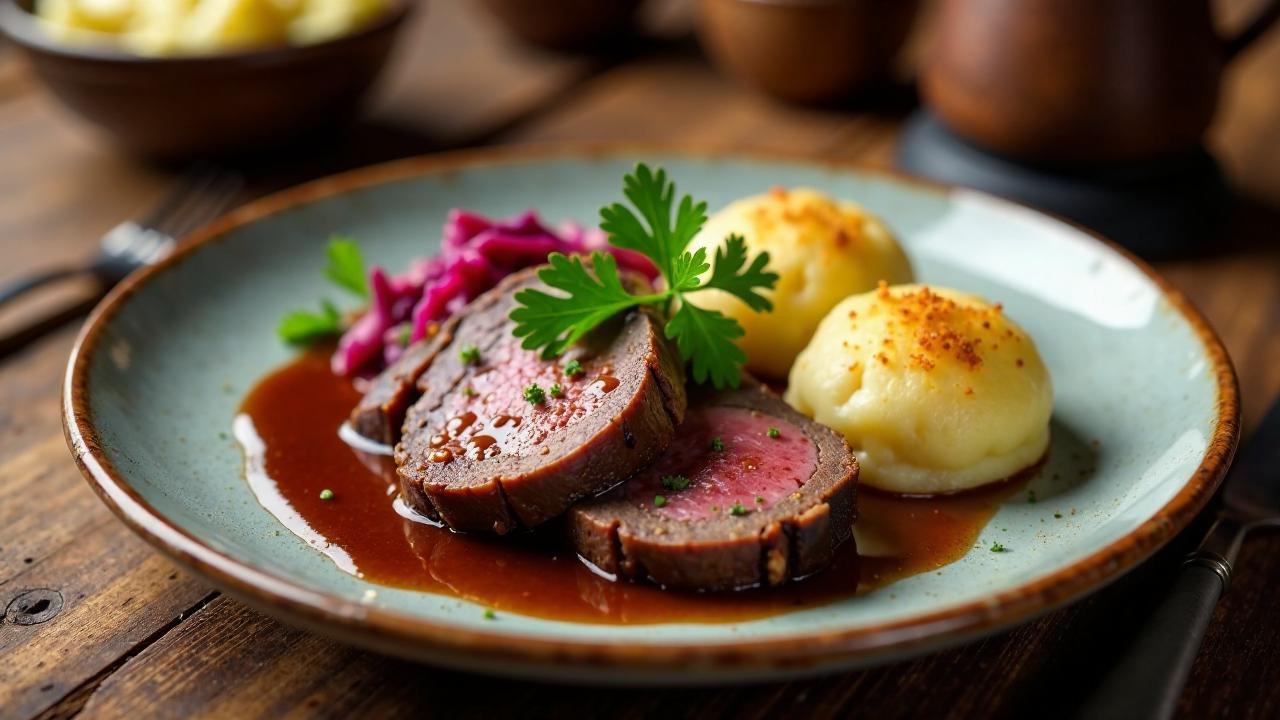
[[198, 197]]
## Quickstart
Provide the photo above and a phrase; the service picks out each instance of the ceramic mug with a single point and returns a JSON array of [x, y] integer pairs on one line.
[[1080, 82]]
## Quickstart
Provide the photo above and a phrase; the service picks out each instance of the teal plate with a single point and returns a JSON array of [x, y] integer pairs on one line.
[[1145, 415]]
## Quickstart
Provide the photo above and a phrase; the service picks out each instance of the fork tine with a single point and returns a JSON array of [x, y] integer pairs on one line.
[[204, 199], [194, 177], [221, 195], [194, 192]]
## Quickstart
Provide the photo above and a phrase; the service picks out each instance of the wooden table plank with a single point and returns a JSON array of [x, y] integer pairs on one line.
[[111, 605], [61, 545], [1052, 655]]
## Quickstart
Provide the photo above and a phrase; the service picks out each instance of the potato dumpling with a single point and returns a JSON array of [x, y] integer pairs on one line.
[[935, 390], [195, 27], [823, 251]]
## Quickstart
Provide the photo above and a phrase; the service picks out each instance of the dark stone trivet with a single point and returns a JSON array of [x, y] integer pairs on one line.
[[1170, 207]]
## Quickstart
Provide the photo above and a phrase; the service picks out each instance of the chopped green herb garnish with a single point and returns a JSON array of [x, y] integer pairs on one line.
[[759, 500], [998, 548], [489, 614], [589, 295], [715, 508], [469, 391], [717, 444], [404, 333], [659, 500], [556, 391], [675, 482], [1057, 516], [535, 395], [326, 494], [573, 368], [469, 354], [774, 433], [346, 266], [1031, 497], [737, 509]]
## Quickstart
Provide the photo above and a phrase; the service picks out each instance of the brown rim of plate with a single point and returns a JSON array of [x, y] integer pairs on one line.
[[416, 637]]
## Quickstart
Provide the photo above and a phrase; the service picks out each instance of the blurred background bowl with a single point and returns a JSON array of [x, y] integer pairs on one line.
[[807, 51], [180, 107], [564, 24]]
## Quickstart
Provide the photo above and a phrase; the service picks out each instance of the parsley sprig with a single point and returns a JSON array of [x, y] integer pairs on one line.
[[346, 270], [590, 294]]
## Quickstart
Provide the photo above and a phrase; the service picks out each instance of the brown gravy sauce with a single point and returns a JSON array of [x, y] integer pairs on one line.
[[288, 428]]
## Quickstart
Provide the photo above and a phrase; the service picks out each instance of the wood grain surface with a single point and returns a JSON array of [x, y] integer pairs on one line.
[[129, 634]]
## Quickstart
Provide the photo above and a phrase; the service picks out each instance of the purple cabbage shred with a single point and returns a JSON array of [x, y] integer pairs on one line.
[[476, 253]]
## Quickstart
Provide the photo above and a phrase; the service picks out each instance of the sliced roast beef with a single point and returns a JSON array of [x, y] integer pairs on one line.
[[501, 439], [380, 413], [752, 493]]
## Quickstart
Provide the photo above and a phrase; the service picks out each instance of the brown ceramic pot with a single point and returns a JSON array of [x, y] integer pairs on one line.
[[805, 50], [564, 24], [1079, 82], [179, 107]]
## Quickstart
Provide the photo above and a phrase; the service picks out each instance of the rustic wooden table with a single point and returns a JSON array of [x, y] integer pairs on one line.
[[137, 635]]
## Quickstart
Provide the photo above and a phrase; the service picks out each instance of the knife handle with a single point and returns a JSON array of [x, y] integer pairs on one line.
[[1146, 680]]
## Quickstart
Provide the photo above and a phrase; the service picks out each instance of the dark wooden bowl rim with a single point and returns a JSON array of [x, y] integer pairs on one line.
[[22, 27]]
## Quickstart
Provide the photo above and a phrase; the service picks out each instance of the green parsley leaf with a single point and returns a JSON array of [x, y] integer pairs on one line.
[[728, 274], [573, 368], [556, 391], [489, 614], [675, 482], [659, 500], [583, 296], [737, 509], [535, 394], [717, 444], [304, 328], [998, 548], [346, 266], [706, 338], [469, 354], [554, 322], [652, 194], [774, 432], [326, 494], [686, 269]]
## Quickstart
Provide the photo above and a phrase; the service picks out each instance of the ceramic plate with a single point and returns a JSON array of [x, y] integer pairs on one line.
[[1144, 425]]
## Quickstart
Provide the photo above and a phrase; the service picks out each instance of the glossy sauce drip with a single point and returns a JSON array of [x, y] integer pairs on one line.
[[289, 430], [604, 384]]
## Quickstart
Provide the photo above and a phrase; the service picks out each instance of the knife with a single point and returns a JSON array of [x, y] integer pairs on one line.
[[1147, 681]]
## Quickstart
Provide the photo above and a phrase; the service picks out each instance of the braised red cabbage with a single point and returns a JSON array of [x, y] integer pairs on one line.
[[476, 252]]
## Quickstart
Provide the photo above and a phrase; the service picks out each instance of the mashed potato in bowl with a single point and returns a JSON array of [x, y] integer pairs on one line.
[[935, 390], [823, 251], [195, 27]]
